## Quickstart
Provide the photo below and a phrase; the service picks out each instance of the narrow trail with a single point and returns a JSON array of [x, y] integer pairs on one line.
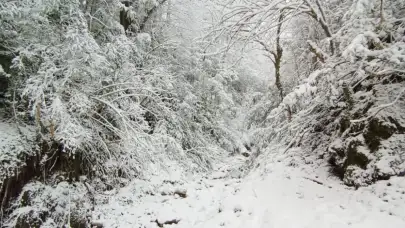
[[280, 197]]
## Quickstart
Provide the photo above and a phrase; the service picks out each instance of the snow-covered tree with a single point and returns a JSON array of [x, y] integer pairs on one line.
[[338, 65], [111, 94]]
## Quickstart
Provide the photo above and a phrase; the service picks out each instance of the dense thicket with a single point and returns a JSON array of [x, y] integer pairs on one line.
[[339, 90], [96, 93], [101, 92]]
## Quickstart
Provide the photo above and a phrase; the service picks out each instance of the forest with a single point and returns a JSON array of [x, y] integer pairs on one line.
[[202, 113]]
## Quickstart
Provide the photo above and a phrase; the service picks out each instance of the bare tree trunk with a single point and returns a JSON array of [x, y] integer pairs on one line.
[[149, 14], [124, 20], [322, 21], [321, 10], [277, 66], [381, 12], [277, 57]]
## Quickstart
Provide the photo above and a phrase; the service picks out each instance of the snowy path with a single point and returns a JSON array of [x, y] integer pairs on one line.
[[282, 198]]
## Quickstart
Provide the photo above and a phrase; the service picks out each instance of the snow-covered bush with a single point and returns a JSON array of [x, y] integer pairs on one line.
[[348, 110], [351, 91], [108, 103], [42, 205]]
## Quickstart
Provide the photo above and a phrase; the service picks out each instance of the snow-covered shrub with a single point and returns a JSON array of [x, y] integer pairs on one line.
[[41, 205], [110, 104], [348, 110]]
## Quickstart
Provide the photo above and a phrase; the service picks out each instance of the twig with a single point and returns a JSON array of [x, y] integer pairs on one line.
[[313, 180]]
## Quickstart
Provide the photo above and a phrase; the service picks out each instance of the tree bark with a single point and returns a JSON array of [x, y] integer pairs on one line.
[[381, 12], [277, 58], [124, 20], [149, 14], [322, 22]]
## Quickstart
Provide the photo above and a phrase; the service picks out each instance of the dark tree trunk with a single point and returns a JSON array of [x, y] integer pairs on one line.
[[277, 58], [124, 20], [149, 14]]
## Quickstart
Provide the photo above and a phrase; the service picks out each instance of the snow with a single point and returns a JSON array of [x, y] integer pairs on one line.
[[38, 200], [274, 195], [15, 143], [96, 88]]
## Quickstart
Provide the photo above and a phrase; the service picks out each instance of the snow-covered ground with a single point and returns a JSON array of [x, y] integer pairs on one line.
[[275, 195]]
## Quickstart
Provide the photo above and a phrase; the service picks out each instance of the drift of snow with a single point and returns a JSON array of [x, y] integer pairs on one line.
[[277, 195]]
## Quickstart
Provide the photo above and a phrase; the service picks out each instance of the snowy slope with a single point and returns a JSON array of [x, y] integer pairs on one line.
[[276, 195]]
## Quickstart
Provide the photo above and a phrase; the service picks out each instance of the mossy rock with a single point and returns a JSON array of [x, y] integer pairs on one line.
[[77, 222], [349, 176], [337, 148], [336, 169], [357, 128], [378, 130], [357, 177], [344, 123], [355, 154]]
